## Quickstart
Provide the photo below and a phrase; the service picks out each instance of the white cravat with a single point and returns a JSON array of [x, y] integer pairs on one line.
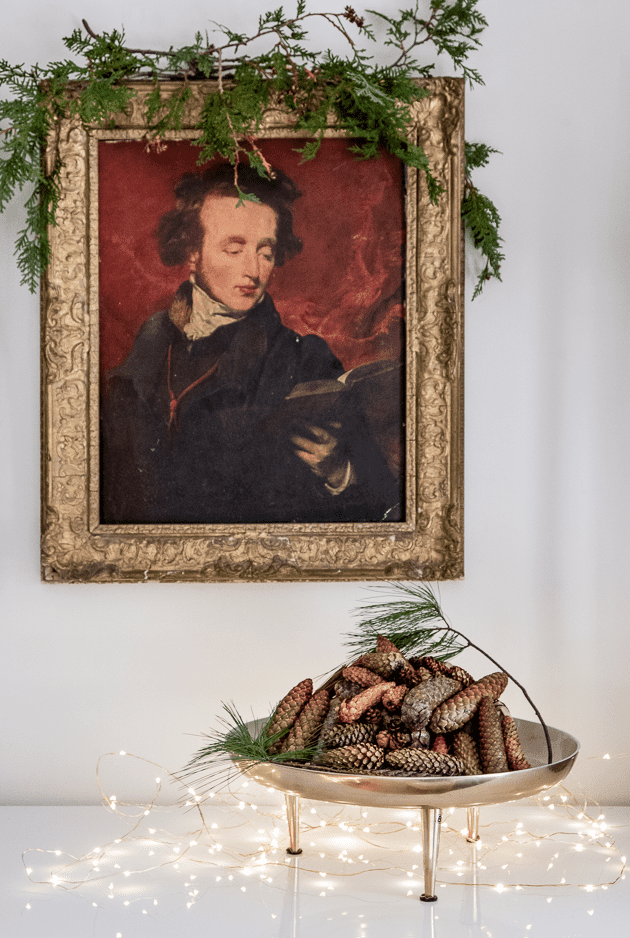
[[208, 314]]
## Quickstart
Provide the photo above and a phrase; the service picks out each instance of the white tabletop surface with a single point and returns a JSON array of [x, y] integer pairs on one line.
[[360, 874]]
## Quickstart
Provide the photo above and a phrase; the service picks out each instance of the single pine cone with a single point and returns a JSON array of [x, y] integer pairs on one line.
[[350, 710], [361, 756], [491, 745], [450, 670], [513, 749], [348, 734], [495, 683], [424, 762], [420, 702], [386, 663], [440, 745], [307, 726], [454, 712], [373, 716], [384, 644], [362, 676], [392, 721], [393, 699], [465, 748], [419, 739], [346, 689], [288, 710]]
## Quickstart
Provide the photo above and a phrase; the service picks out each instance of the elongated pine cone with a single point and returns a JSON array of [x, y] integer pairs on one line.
[[513, 749], [362, 676], [424, 762], [495, 683], [386, 663], [350, 710], [361, 756], [307, 726], [421, 701], [465, 748], [491, 745], [454, 712], [348, 734], [288, 710]]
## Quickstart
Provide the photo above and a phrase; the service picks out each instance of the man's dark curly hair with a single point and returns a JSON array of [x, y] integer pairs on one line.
[[179, 232]]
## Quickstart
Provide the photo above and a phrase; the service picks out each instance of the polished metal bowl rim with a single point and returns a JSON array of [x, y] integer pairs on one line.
[[438, 792]]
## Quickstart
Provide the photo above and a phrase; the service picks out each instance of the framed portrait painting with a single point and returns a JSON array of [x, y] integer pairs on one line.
[[253, 377]]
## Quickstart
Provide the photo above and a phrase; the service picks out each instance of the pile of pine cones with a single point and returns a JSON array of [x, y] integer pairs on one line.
[[389, 715]]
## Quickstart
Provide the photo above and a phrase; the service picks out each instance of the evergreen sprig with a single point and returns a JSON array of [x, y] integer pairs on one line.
[[412, 618], [481, 218], [234, 740], [371, 103]]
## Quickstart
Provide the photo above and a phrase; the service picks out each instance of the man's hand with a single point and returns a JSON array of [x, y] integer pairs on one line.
[[322, 453]]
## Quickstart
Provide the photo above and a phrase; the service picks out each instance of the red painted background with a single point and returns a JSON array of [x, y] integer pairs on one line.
[[345, 286]]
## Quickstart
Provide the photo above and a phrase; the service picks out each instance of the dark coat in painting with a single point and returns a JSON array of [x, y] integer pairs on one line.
[[223, 453]]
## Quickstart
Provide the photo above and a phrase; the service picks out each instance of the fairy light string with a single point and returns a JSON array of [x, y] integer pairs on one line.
[[236, 838]]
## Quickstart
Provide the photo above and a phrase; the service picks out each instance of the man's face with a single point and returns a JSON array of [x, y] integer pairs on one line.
[[237, 254]]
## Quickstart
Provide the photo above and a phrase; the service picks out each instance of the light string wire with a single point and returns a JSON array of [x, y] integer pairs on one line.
[[589, 834]]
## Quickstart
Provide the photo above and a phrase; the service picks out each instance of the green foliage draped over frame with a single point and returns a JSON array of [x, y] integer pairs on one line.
[[370, 102]]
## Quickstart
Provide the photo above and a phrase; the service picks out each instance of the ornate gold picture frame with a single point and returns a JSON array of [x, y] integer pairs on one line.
[[82, 541]]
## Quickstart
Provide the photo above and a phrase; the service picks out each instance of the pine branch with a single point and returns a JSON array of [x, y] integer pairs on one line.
[[214, 764], [371, 103]]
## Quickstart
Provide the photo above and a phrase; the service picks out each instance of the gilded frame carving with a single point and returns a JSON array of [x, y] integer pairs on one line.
[[427, 544]]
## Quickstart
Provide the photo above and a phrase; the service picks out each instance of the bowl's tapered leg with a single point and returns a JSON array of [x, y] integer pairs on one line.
[[431, 820], [472, 825], [290, 920], [293, 820]]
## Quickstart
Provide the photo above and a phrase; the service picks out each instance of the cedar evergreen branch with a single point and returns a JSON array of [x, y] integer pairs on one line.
[[370, 102]]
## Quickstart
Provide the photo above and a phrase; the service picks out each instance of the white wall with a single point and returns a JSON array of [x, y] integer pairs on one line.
[[93, 669]]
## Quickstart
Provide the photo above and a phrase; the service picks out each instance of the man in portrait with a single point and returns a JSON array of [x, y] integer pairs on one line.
[[220, 413]]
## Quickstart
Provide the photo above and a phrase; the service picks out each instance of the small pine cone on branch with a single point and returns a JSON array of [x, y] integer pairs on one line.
[[424, 762], [288, 710], [307, 726], [364, 756], [465, 748], [351, 710], [362, 676], [491, 745], [348, 734], [515, 756]]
